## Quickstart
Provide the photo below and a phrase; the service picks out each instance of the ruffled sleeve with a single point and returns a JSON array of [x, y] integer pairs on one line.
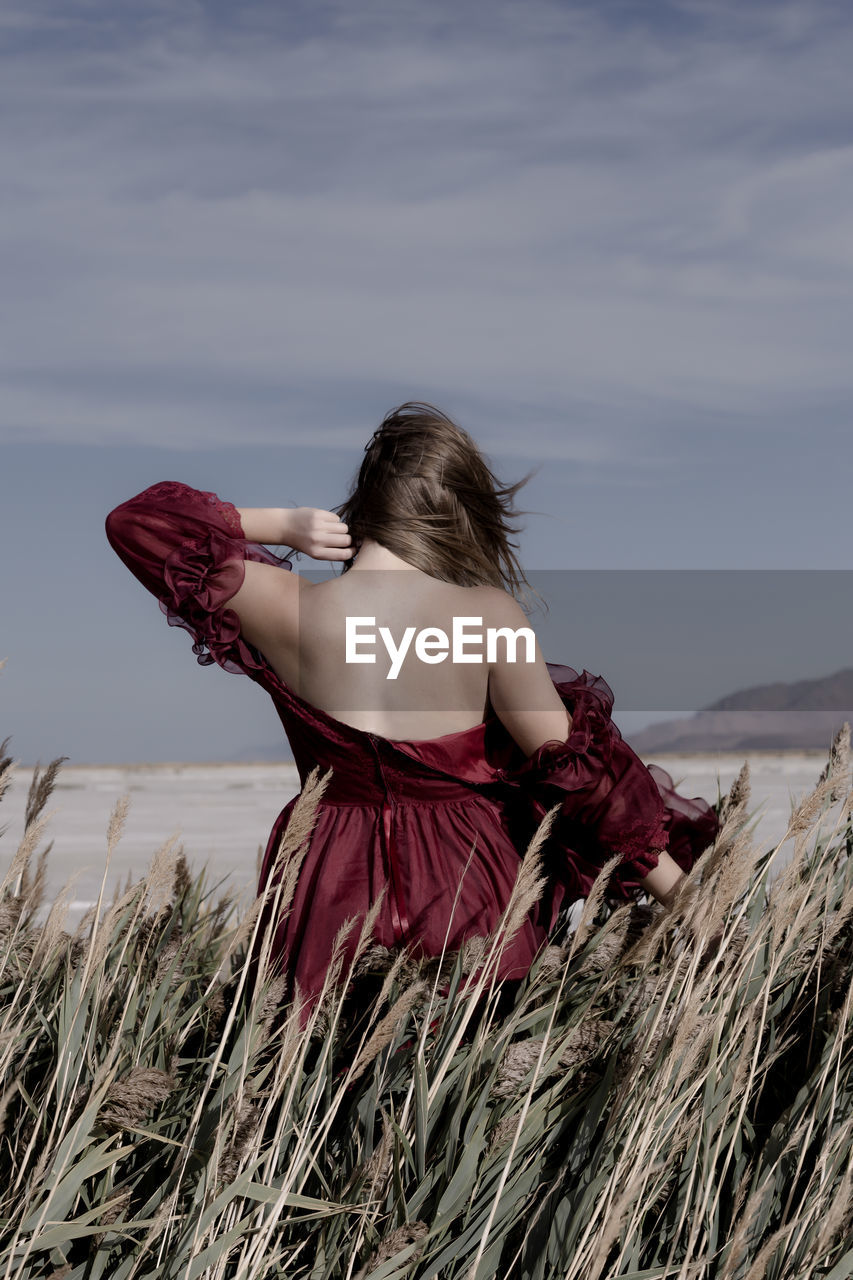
[[188, 548], [610, 801]]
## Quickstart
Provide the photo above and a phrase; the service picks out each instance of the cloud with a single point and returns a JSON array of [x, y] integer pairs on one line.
[[619, 216]]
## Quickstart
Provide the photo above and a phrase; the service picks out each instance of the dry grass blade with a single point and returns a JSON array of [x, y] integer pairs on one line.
[[616, 1219], [530, 882], [293, 845], [116, 824], [503, 1132], [40, 790], [689, 1043], [758, 1270], [741, 1223], [592, 906], [183, 880], [52, 934], [403, 967], [161, 875], [7, 769], [32, 888], [370, 917], [725, 884], [642, 951], [375, 958], [25, 850], [244, 929], [5, 1099], [387, 1028], [612, 940], [836, 1223], [410, 1233], [303, 818], [473, 954], [104, 938], [373, 1173], [809, 809], [788, 903], [838, 762], [246, 1123], [734, 804]]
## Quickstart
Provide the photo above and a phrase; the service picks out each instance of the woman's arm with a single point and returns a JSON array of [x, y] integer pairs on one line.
[[266, 525], [208, 564], [522, 693], [319, 534], [268, 604], [613, 797], [188, 548]]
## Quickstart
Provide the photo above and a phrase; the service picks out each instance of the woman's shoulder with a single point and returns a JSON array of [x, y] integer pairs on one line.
[[498, 604]]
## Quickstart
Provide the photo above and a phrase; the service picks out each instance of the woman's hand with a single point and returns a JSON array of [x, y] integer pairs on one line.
[[319, 534]]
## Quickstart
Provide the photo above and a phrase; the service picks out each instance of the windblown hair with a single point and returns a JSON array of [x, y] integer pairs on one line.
[[425, 492]]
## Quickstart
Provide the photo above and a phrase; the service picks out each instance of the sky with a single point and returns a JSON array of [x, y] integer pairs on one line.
[[612, 239]]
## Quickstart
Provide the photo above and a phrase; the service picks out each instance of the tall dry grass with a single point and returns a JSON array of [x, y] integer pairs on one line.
[[670, 1095]]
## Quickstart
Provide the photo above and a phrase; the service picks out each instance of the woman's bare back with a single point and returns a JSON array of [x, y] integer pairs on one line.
[[399, 695], [301, 628]]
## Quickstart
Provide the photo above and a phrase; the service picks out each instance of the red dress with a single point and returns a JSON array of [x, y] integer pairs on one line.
[[405, 814]]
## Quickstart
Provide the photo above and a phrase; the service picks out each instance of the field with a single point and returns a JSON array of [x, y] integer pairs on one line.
[[670, 1094]]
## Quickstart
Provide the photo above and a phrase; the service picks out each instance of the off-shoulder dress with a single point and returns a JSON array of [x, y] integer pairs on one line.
[[404, 816]]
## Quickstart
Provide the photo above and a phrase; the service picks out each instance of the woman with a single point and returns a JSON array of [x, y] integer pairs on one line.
[[441, 772]]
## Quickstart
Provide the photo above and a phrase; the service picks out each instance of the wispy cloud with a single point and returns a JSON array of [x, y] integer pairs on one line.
[[274, 218]]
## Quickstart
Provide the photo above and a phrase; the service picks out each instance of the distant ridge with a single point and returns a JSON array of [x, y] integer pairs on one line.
[[802, 714]]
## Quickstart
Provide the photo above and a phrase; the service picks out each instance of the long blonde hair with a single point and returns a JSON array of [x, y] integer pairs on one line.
[[425, 492]]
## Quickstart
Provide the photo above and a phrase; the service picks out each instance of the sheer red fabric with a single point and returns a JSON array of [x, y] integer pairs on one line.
[[439, 824]]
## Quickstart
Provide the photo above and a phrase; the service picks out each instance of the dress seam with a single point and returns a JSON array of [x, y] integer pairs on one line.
[[403, 803]]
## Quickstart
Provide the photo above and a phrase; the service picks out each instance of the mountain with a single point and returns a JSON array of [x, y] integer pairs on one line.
[[802, 714]]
